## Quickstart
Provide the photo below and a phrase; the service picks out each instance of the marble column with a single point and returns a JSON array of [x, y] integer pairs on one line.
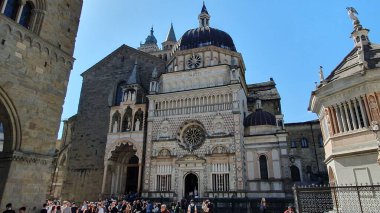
[[363, 111], [347, 117], [357, 113], [336, 109], [342, 118], [139, 178], [353, 118]]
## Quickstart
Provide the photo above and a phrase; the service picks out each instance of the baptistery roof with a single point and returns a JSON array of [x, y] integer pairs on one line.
[[260, 117]]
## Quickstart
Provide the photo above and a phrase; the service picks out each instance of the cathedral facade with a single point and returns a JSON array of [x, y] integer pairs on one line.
[[177, 121]]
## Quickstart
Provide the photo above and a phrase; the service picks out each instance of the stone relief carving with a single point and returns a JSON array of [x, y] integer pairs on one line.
[[328, 120], [164, 153], [374, 108], [219, 150], [218, 125], [164, 130]]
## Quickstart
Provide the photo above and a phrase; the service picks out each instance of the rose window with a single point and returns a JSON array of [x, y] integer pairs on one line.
[[193, 136]]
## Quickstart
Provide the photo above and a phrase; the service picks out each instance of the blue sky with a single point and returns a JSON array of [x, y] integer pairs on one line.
[[286, 40]]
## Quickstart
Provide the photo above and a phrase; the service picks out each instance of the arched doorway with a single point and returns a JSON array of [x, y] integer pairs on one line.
[[132, 175], [122, 171], [295, 172], [9, 124], [191, 185]]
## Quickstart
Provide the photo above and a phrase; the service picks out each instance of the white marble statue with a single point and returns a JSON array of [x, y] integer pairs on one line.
[[129, 124], [321, 77], [352, 13], [114, 128], [133, 96], [125, 98], [129, 94], [137, 125]]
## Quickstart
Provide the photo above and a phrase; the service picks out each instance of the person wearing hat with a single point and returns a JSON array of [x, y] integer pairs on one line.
[[192, 208]]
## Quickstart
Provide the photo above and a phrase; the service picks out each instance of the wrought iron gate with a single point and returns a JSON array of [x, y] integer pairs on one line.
[[340, 199]]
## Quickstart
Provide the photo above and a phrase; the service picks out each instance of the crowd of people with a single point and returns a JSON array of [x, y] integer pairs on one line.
[[130, 205], [120, 206]]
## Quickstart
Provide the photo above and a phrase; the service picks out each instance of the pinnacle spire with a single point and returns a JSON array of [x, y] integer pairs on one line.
[[171, 34], [204, 9], [134, 77], [204, 17]]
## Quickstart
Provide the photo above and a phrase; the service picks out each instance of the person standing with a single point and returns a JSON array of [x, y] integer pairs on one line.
[[44, 208], [210, 206], [263, 206], [66, 208], [74, 208], [192, 208], [164, 209], [100, 208], [22, 209], [149, 207], [289, 210], [9, 208]]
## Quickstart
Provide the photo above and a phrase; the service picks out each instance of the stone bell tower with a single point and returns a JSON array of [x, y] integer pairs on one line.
[[37, 39]]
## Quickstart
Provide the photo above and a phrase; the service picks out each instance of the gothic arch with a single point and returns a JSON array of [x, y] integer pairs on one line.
[[11, 111], [115, 145]]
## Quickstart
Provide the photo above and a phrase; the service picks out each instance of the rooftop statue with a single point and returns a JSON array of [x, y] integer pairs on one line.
[[352, 13]]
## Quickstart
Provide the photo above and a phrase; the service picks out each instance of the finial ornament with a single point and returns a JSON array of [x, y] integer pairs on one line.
[[321, 77], [352, 14]]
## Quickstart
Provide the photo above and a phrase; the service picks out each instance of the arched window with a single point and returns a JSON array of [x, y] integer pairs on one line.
[[119, 93], [26, 14], [304, 143], [11, 9], [263, 167], [295, 172]]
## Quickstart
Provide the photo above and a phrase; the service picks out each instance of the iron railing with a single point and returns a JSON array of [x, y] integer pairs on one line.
[[339, 199]]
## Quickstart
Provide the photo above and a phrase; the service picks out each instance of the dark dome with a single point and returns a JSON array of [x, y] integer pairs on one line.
[[205, 36], [260, 117]]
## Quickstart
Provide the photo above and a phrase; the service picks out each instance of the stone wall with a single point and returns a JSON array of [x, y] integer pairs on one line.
[[313, 155], [34, 70], [86, 158]]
